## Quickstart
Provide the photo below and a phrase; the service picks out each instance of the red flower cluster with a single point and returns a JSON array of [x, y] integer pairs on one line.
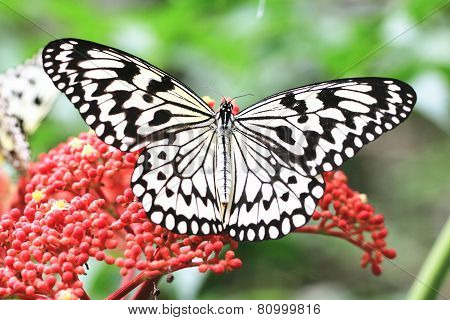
[[7, 191], [346, 214], [75, 204]]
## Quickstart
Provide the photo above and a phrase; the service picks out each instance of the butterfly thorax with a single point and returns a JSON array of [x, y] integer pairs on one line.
[[223, 175]]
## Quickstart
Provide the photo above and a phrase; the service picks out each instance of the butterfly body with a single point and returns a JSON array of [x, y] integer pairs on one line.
[[223, 154], [255, 175]]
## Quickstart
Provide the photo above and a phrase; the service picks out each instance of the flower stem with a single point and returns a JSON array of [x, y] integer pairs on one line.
[[128, 287], [85, 296], [333, 233], [434, 270], [145, 292]]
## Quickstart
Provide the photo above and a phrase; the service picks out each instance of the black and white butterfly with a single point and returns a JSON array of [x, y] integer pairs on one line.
[[26, 96], [256, 175]]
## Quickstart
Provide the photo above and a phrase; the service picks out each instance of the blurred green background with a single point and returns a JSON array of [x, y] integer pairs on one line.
[[262, 47]]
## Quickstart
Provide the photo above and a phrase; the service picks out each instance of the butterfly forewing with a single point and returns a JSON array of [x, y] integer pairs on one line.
[[132, 105], [127, 101], [317, 127]]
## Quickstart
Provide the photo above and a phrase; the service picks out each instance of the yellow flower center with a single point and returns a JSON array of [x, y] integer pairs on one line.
[[60, 204], [75, 143], [37, 195], [65, 295], [363, 197], [87, 150]]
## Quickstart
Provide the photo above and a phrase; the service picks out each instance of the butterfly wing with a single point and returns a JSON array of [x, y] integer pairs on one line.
[[174, 180], [27, 95], [127, 101], [13, 143], [270, 197], [317, 127], [131, 104]]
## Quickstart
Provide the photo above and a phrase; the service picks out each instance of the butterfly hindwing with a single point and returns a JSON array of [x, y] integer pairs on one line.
[[125, 100], [317, 127], [174, 180], [270, 197]]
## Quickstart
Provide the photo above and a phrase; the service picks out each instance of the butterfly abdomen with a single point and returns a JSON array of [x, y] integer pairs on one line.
[[223, 154], [223, 162]]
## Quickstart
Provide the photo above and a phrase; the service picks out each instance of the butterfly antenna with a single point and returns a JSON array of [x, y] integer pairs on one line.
[[244, 95], [211, 88]]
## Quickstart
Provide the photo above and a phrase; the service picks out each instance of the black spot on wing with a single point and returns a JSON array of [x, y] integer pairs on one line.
[[165, 84], [349, 118], [147, 98], [37, 101], [288, 100], [169, 192], [285, 134], [312, 138], [132, 115], [328, 97], [302, 119], [300, 107], [160, 117], [328, 125], [161, 176], [18, 94], [188, 199], [162, 155], [292, 179]]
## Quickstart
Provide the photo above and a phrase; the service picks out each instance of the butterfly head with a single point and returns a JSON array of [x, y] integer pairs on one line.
[[226, 106], [225, 111]]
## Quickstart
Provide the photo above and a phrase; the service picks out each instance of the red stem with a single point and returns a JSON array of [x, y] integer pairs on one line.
[[85, 296], [31, 296], [128, 287], [132, 284], [146, 290], [127, 278], [150, 276], [333, 233]]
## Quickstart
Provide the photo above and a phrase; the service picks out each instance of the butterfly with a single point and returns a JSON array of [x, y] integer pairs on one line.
[[255, 175], [26, 97]]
